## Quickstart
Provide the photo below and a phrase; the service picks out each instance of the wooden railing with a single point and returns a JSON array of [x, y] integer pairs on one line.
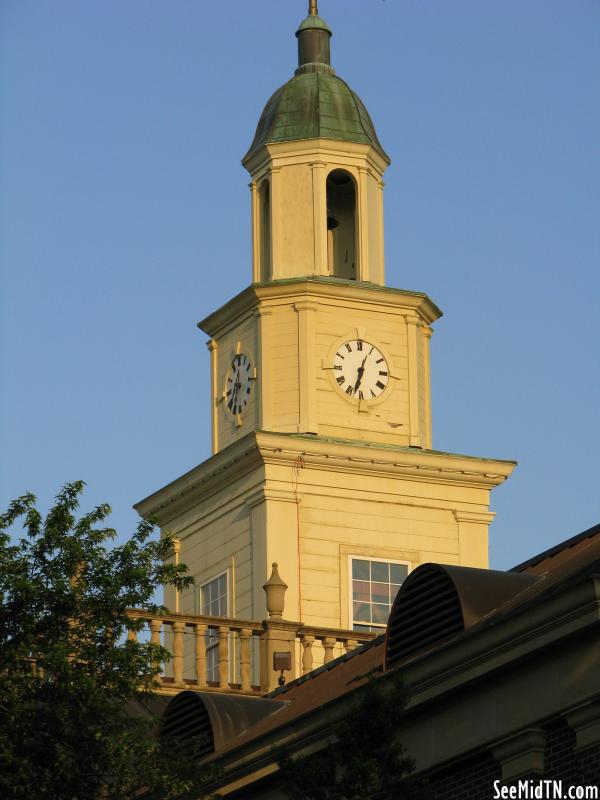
[[230, 655]]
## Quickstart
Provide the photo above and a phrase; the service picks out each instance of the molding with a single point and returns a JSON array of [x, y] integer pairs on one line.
[[485, 517], [259, 448], [309, 150], [292, 290], [263, 494], [521, 754]]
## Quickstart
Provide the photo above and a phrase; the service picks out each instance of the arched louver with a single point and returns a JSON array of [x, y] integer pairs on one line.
[[186, 717], [427, 609], [437, 602], [216, 717]]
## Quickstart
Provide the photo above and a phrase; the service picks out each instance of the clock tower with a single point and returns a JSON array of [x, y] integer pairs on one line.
[[321, 418]]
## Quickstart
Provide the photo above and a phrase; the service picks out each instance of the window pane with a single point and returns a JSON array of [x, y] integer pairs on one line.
[[380, 592], [213, 597], [380, 612], [393, 592], [360, 591], [398, 572], [362, 612], [360, 570], [380, 571]]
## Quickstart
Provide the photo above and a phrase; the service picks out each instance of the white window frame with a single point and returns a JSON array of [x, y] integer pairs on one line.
[[384, 559], [227, 574]]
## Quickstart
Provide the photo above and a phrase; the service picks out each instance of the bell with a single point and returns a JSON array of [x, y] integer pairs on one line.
[[332, 222]]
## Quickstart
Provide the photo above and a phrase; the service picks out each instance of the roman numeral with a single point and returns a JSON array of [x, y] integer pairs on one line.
[[379, 360], [337, 366], [348, 347], [350, 389], [359, 345], [360, 395], [373, 393], [380, 384], [339, 355], [341, 380], [371, 350], [383, 373]]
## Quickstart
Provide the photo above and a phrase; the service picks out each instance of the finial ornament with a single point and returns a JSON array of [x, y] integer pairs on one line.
[[313, 11]]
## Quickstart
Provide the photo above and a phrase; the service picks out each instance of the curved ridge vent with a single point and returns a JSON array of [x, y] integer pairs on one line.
[[427, 610], [187, 716], [437, 601]]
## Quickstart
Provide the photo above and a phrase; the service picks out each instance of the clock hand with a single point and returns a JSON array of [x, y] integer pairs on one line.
[[236, 387], [361, 372]]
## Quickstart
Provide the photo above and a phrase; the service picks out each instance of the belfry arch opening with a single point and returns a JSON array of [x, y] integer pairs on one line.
[[341, 225], [264, 230]]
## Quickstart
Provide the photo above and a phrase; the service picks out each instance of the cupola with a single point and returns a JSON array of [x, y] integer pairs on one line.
[[316, 166]]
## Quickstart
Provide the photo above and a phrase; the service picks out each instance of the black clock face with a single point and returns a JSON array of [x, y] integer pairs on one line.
[[360, 370], [238, 387]]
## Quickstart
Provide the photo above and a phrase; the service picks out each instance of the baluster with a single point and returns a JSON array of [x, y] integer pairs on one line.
[[131, 635], [178, 631], [350, 645], [245, 636], [307, 653], [200, 637], [223, 657], [155, 626], [328, 645]]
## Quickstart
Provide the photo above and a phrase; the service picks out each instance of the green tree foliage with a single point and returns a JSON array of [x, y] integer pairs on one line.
[[74, 693], [365, 758]]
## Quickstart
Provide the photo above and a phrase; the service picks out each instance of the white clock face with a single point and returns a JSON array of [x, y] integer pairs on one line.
[[238, 386], [360, 370]]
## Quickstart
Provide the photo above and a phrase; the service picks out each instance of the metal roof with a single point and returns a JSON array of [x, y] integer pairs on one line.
[[315, 105]]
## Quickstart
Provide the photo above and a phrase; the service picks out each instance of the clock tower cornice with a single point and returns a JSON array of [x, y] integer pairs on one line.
[[280, 154], [415, 304], [277, 450]]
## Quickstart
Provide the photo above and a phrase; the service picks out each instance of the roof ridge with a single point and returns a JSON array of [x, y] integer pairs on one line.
[[558, 548]]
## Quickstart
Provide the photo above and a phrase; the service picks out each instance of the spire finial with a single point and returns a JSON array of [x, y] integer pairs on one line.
[[313, 11]]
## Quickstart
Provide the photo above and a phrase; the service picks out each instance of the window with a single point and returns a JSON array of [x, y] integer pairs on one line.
[[214, 602], [341, 224], [375, 585]]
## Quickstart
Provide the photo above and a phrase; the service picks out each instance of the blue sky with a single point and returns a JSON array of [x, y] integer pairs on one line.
[[124, 215]]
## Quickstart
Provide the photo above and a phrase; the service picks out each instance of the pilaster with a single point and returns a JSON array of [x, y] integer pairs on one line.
[[214, 395], [264, 395], [521, 755], [307, 367], [427, 332], [276, 211], [473, 535], [319, 188], [363, 272], [414, 433], [274, 534], [585, 721], [254, 216]]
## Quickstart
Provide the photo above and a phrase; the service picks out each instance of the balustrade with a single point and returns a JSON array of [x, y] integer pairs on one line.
[[217, 654]]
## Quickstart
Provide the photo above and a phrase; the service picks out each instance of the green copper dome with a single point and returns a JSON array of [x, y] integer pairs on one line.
[[315, 103]]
